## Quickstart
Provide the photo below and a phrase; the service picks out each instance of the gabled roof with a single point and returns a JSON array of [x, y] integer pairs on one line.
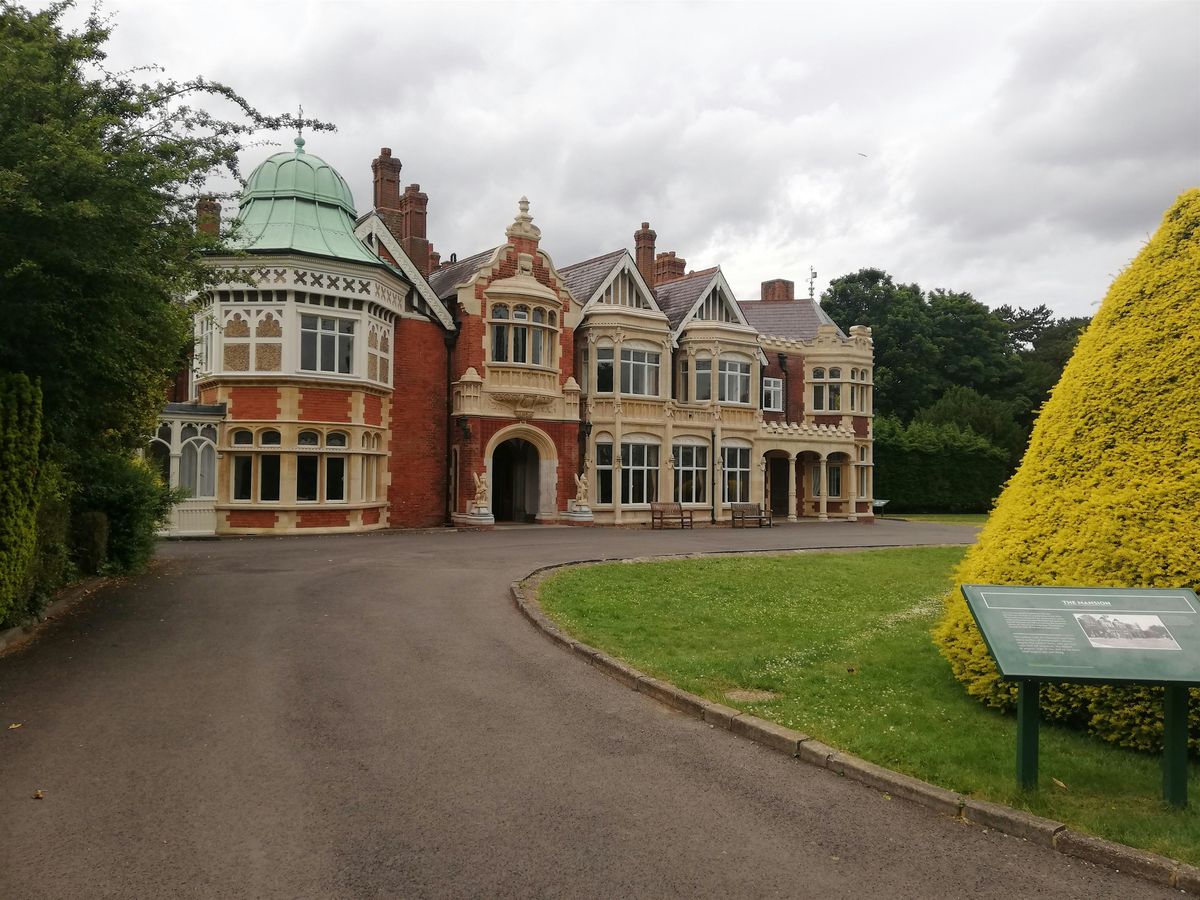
[[450, 275], [372, 224], [583, 279], [677, 298], [793, 320]]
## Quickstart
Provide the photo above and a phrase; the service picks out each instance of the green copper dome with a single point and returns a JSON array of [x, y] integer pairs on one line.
[[297, 202]]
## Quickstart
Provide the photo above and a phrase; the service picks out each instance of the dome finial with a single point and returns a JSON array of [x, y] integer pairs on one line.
[[300, 128]]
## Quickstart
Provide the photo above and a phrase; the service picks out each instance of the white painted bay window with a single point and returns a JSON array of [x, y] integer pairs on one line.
[[639, 372], [326, 344], [734, 384]]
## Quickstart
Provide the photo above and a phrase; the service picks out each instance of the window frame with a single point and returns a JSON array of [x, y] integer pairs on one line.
[[698, 470], [741, 474], [343, 336], [772, 390]]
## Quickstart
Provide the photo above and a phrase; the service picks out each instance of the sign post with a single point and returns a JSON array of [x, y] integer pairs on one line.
[[1028, 714], [1094, 636]]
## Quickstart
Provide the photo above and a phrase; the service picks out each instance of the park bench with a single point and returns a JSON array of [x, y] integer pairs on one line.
[[662, 514], [749, 512]]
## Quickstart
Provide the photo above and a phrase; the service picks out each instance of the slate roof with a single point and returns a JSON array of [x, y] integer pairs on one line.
[[583, 278], [676, 298], [450, 275], [794, 320]]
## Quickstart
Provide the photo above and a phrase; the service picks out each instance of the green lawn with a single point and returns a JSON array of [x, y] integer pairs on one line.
[[947, 518], [843, 639]]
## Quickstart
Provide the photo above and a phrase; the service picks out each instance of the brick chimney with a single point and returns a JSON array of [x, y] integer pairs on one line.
[[643, 242], [386, 169], [208, 216], [414, 204], [778, 289], [668, 267]]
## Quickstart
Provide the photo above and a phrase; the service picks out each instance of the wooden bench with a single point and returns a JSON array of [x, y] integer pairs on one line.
[[749, 512], [662, 514]]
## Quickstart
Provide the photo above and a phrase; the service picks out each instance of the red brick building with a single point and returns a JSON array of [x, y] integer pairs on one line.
[[346, 378]]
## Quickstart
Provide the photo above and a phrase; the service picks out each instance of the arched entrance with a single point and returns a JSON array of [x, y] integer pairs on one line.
[[515, 476]]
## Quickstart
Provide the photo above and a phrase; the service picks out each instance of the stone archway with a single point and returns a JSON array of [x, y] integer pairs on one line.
[[522, 474], [515, 481]]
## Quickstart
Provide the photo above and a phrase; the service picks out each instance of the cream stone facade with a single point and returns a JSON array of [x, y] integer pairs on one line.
[[346, 378]]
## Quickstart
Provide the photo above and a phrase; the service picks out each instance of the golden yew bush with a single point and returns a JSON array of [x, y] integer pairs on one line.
[[1108, 493]]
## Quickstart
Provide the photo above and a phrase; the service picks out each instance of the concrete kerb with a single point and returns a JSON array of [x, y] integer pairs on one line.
[[1026, 826], [64, 598]]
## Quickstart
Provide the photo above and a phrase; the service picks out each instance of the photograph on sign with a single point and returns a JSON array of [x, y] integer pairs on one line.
[[1126, 632]]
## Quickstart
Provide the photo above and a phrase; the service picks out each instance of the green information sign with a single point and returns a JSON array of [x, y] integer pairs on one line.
[[1106, 635], [1090, 634]]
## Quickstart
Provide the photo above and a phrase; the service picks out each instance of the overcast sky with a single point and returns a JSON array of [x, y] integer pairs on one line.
[[1019, 151]]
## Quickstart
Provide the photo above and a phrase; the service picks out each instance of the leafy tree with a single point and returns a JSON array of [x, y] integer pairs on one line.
[[985, 416], [906, 348], [972, 342], [99, 175]]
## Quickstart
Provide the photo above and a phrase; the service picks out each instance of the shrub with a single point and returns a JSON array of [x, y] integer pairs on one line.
[[89, 540], [944, 468], [134, 500], [20, 437], [1108, 491]]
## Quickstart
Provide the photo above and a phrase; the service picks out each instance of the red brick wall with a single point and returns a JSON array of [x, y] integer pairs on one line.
[[418, 453], [370, 516], [827, 420], [253, 403], [793, 389], [372, 409], [251, 518], [862, 426], [208, 395], [322, 518], [324, 405]]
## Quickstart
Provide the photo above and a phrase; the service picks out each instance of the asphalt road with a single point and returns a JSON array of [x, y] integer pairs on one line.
[[369, 716]]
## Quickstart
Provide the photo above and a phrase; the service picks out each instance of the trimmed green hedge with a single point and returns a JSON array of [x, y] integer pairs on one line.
[[20, 439], [924, 467]]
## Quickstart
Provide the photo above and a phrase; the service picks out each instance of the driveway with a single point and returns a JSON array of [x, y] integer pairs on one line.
[[369, 716]]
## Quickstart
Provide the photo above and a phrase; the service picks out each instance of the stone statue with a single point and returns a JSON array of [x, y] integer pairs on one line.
[[581, 489], [481, 492]]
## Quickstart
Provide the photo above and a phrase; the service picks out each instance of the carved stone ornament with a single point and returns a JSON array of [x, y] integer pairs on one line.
[[480, 503], [581, 489], [522, 403]]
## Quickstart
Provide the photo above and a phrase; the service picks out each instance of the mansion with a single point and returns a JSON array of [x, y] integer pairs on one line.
[[346, 378]]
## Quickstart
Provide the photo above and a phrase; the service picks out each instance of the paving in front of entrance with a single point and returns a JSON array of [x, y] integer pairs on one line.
[[369, 716]]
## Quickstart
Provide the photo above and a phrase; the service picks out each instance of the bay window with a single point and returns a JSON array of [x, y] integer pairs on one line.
[[604, 472], [326, 344], [639, 372], [703, 379], [523, 335], [691, 473], [736, 463], [734, 384], [604, 370], [639, 472]]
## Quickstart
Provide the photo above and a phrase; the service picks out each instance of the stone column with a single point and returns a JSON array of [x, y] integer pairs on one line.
[[823, 514], [852, 471], [791, 487]]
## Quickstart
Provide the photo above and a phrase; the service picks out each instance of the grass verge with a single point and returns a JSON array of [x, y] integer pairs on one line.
[[945, 518], [843, 640]]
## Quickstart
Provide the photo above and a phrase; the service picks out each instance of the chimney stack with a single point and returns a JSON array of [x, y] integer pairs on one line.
[[386, 170], [413, 210], [643, 242], [208, 216], [668, 267], [777, 290]]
